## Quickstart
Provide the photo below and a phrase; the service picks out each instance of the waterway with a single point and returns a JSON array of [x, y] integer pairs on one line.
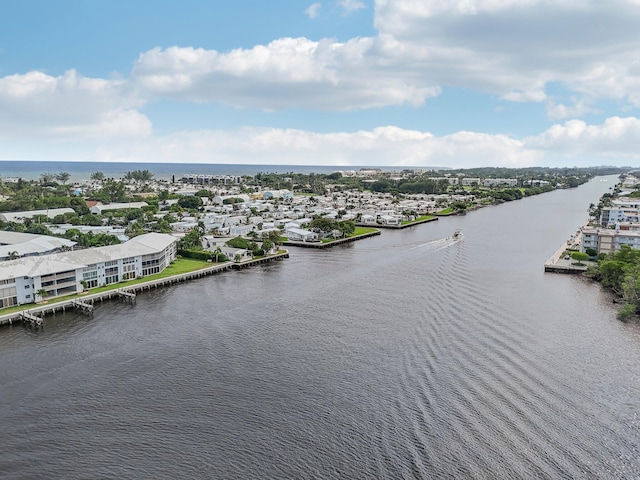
[[407, 355]]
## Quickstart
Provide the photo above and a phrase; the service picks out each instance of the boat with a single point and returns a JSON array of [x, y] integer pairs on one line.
[[457, 234]]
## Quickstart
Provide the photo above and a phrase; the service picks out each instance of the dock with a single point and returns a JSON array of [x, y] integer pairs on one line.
[[127, 296], [28, 317], [84, 307]]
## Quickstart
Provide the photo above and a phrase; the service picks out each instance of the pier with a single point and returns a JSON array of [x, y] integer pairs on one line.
[[84, 307], [28, 317], [128, 297]]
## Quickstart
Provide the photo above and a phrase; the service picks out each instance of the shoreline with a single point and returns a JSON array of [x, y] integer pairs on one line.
[[123, 291]]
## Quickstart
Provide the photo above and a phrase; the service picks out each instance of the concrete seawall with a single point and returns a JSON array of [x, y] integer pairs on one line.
[[118, 289], [332, 243]]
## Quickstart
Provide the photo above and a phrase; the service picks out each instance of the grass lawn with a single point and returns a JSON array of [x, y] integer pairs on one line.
[[446, 211], [362, 231], [419, 219], [357, 232]]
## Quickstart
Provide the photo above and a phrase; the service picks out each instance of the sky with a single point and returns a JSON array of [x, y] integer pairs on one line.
[[407, 83]]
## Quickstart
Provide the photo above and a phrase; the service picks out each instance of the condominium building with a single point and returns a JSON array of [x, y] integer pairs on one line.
[[30, 279]]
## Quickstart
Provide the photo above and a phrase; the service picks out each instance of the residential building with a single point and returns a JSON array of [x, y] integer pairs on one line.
[[29, 279]]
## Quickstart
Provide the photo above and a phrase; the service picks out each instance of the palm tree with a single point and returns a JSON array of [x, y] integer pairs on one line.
[[63, 177]]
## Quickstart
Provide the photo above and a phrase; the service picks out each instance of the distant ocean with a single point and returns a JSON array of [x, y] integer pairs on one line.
[[31, 170]]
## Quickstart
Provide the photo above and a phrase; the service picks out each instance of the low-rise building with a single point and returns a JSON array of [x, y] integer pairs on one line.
[[607, 240], [20, 217], [29, 279]]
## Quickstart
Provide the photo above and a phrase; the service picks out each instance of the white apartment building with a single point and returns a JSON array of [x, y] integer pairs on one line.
[[25, 280]]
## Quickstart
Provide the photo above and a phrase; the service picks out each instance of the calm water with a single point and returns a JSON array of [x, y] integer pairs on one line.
[[402, 356]]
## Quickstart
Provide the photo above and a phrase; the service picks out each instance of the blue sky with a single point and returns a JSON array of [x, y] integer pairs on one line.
[[456, 83]]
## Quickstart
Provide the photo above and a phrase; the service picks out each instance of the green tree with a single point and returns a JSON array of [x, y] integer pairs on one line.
[[190, 203], [580, 257], [97, 177], [322, 224], [113, 190], [63, 177]]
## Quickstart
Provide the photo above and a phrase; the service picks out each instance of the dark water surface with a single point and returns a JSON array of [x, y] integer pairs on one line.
[[407, 355]]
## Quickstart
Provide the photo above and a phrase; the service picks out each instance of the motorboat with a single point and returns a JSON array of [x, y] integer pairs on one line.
[[457, 234]]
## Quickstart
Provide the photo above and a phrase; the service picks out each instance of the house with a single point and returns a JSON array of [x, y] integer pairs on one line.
[[368, 219], [390, 220], [301, 235], [236, 254], [240, 230], [99, 209], [19, 217], [272, 194]]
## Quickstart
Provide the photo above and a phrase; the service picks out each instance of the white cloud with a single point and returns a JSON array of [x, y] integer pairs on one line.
[[617, 138], [579, 108], [574, 142], [509, 48], [312, 10], [34, 104], [287, 73], [350, 6], [513, 48], [383, 146]]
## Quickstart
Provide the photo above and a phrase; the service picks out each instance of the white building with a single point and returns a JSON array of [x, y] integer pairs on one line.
[[24, 280], [100, 208], [16, 244], [301, 235], [19, 217], [271, 194], [492, 182]]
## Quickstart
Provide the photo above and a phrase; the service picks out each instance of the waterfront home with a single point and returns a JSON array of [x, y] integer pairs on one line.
[[29, 279], [236, 254], [301, 235], [390, 220], [368, 219]]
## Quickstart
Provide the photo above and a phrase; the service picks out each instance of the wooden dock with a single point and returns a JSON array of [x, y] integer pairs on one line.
[[127, 296], [84, 307], [28, 317]]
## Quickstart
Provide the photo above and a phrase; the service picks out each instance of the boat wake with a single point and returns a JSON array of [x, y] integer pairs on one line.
[[439, 244]]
